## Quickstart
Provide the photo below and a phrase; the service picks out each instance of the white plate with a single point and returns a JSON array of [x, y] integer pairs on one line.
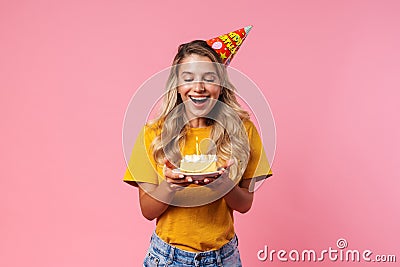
[[196, 175]]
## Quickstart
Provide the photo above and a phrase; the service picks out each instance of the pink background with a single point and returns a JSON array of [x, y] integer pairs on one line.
[[329, 69]]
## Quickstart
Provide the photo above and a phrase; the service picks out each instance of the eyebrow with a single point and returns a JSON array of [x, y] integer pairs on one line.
[[206, 73]]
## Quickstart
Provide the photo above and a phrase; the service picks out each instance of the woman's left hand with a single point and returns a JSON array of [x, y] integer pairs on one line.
[[221, 178]]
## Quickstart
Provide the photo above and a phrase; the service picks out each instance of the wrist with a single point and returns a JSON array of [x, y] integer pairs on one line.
[[170, 188], [163, 192]]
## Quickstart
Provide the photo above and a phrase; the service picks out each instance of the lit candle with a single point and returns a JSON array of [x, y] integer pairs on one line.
[[197, 146]]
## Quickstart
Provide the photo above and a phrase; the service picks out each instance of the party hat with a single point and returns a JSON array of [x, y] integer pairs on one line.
[[227, 45]]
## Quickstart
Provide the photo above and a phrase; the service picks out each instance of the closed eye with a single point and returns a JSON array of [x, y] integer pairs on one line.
[[210, 77]]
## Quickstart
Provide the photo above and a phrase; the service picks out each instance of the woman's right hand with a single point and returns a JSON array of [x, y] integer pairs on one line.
[[176, 180]]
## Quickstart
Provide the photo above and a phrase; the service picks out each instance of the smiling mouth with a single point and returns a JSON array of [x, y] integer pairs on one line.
[[199, 99]]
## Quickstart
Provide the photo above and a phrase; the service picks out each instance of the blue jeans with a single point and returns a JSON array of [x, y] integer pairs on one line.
[[161, 254]]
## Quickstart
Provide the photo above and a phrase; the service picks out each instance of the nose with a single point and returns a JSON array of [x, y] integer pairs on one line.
[[198, 87]]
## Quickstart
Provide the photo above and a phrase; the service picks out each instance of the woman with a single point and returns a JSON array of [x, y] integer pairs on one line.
[[195, 217]]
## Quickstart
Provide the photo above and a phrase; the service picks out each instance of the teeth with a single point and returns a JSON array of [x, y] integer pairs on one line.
[[199, 98]]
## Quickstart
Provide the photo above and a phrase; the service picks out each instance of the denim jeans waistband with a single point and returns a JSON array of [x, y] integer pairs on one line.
[[174, 254]]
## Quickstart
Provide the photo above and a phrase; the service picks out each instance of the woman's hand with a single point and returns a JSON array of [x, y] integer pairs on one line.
[[221, 179], [176, 181], [238, 197]]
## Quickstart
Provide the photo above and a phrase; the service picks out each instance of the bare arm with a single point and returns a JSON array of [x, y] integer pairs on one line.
[[240, 198], [154, 199], [150, 196]]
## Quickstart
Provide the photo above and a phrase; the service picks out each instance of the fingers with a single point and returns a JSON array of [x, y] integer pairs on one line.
[[179, 180], [228, 163], [205, 181], [174, 177], [168, 173], [169, 164], [221, 171], [178, 187]]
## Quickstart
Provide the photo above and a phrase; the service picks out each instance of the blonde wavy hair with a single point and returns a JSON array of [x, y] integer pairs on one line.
[[226, 117]]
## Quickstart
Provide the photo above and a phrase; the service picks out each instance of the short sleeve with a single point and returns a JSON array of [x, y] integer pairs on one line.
[[258, 165], [141, 165]]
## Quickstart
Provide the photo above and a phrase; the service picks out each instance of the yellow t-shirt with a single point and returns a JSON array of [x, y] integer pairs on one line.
[[201, 228]]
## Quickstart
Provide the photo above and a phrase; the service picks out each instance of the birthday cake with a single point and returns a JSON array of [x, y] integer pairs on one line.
[[199, 163]]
